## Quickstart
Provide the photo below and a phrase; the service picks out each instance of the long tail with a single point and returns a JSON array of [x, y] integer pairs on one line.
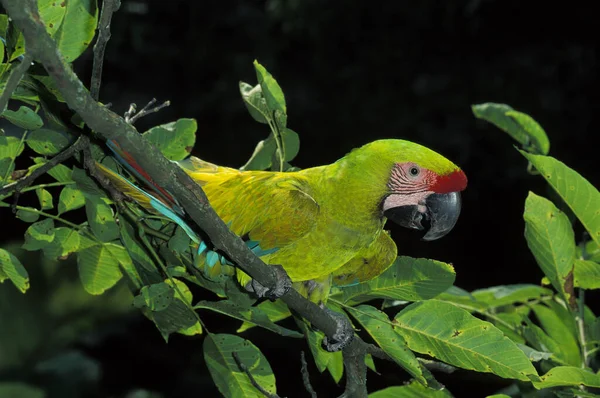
[[160, 201]]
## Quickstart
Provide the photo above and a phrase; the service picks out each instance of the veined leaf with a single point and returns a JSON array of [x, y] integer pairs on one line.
[[332, 361], [551, 240], [380, 328], [264, 153], [70, 198], [44, 198], [14, 270], [587, 274], [24, 117], [499, 296], [39, 235], [182, 288], [250, 315], [537, 338], [409, 279], [155, 297], [52, 14], [270, 89], [521, 127], [78, 28], [65, 242], [553, 325], [98, 268], [534, 355], [28, 214], [255, 102], [274, 310], [101, 219], [60, 173], [568, 376], [581, 196], [452, 335], [412, 390], [10, 147], [48, 142], [175, 140], [227, 375]]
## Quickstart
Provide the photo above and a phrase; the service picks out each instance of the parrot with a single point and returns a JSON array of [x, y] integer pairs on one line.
[[324, 225]]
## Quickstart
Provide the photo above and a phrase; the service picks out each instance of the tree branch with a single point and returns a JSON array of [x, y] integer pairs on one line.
[[108, 9], [111, 126], [13, 81], [306, 376], [17, 186]]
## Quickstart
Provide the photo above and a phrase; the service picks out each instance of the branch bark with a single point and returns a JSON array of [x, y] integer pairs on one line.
[[111, 126]]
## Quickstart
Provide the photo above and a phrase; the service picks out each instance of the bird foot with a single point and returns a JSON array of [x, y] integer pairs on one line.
[[342, 336], [283, 284]]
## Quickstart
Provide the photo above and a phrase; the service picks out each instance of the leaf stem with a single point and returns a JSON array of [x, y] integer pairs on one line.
[[48, 185], [580, 320]]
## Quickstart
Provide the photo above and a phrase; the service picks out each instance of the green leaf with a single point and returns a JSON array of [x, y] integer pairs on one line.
[[20, 390], [176, 318], [275, 310], [48, 142], [255, 102], [1, 51], [534, 355], [519, 126], [554, 326], [14, 270], [101, 219], [568, 376], [15, 42], [551, 240], [149, 272], [70, 198], [251, 315], [24, 117], [39, 235], [98, 268], [379, 327], [52, 13], [587, 274], [86, 184], [499, 296], [270, 89], [61, 173], [409, 279], [28, 214], [412, 390], [155, 297], [78, 28], [45, 199], [187, 298], [65, 242], [323, 359], [10, 147], [175, 140], [227, 375], [450, 334], [581, 196]]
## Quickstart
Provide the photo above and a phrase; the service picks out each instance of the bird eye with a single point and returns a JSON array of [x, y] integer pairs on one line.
[[414, 171]]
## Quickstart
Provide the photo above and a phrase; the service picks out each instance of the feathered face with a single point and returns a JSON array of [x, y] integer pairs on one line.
[[416, 191]]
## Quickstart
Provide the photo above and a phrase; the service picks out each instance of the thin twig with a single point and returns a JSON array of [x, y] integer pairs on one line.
[[108, 9], [90, 164], [131, 116], [437, 366], [306, 376], [82, 142], [13, 81], [245, 369]]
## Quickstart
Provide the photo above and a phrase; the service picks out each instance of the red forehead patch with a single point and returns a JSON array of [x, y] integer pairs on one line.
[[453, 182]]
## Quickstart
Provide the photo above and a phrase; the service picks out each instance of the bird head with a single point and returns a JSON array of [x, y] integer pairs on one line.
[[419, 184]]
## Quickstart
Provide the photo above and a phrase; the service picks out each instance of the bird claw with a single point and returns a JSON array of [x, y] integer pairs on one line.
[[343, 334], [283, 284]]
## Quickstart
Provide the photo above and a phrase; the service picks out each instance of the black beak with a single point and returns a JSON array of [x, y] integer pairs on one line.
[[442, 211]]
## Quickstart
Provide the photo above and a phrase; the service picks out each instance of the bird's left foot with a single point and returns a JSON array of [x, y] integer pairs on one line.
[[342, 336], [283, 284]]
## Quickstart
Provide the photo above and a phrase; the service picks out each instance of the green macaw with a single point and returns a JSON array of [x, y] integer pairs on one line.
[[323, 224]]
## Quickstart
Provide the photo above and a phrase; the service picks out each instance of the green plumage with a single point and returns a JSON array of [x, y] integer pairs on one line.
[[326, 222]]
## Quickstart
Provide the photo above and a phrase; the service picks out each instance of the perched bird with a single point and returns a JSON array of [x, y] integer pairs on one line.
[[323, 224]]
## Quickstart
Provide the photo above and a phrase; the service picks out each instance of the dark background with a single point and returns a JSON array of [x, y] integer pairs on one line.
[[353, 72]]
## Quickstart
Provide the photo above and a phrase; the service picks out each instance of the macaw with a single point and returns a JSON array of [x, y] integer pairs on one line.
[[324, 224]]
